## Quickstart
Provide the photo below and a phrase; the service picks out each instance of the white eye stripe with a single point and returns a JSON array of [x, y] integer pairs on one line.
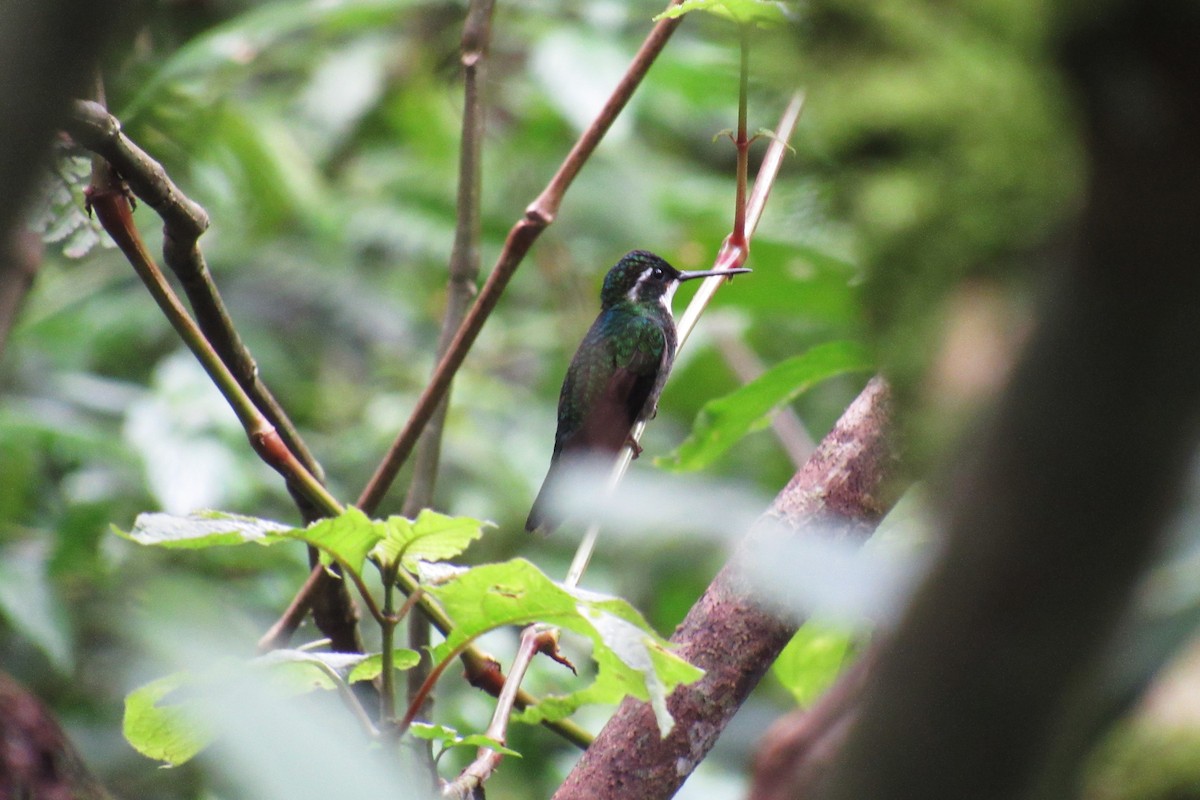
[[647, 274]]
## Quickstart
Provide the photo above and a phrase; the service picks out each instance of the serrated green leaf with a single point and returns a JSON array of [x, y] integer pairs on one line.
[[758, 12], [165, 732], [202, 529], [371, 666], [347, 537], [725, 420], [431, 537], [812, 660], [631, 658], [448, 737]]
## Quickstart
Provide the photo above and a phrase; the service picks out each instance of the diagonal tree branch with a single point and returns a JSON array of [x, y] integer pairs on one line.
[[184, 221], [107, 198], [727, 633], [538, 216]]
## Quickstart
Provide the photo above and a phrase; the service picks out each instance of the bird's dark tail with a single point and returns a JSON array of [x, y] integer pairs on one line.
[[540, 518]]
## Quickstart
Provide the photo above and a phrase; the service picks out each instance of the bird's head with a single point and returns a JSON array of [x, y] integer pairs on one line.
[[642, 277]]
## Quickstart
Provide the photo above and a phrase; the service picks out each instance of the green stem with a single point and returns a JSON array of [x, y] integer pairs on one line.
[[347, 696], [738, 237], [387, 629], [106, 196]]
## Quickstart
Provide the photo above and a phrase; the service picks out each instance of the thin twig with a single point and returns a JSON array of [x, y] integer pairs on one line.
[[279, 633], [107, 198], [426, 689], [387, 675], [348, 697], [534, 639], [462, 286], [538, 216], [731, 256], [183, 223]]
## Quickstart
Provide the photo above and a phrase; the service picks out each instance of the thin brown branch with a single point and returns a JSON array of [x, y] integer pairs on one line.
[[281, 632], [739, 237], [728, 633], [184, 221], [534, 639], [538, 216], [461, 288], [107, 198]]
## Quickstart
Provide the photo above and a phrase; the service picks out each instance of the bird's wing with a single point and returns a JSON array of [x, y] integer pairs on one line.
[[608, 386], [615, 388]]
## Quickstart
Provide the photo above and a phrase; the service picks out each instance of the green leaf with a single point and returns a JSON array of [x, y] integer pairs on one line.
[[302, 671], [164, 718], [812, 660], [725, 420], [347, 537], [370, 667], [631, 658], [759, 12], [167, 733], [30, 604], [431, 537], [448, 737], [202, 529]]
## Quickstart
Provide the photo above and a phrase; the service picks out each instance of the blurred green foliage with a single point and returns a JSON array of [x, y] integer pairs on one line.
[[937, 144]]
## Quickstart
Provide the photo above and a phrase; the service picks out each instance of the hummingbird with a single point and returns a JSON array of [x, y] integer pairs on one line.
[[618, 371]]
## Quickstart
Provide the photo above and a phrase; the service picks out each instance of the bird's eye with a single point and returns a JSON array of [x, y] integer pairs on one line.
[[657, 274]]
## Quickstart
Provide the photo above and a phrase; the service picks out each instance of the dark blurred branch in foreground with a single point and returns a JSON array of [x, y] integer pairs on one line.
[[727, 633], [1048, 525], [50, 49], [20, 258], [36, 759]]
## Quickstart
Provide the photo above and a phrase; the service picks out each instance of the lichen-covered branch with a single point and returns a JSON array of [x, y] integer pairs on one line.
[[730, 635]]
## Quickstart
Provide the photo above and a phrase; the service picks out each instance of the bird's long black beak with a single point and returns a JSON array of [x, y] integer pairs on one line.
[[707, 273]]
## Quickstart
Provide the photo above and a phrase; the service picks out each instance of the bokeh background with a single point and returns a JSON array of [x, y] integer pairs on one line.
[[935, 173]]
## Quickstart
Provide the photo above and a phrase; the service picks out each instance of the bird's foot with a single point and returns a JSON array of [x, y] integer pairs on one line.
[[633, 445]]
